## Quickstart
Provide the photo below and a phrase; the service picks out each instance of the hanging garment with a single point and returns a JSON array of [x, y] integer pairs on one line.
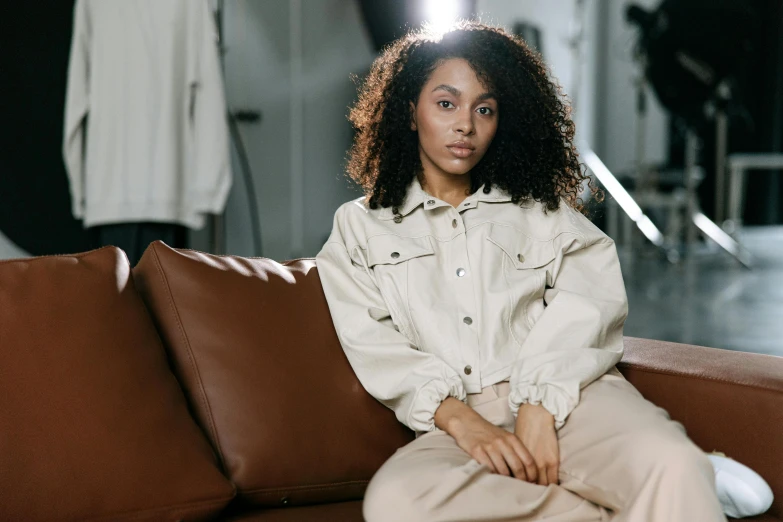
[[146, 134]]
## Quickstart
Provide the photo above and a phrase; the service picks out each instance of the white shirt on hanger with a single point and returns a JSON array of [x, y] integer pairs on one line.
[[146, 131]]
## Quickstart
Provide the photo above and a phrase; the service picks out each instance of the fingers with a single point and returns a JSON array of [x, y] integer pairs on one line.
[[543, 478], [553, 474], [483, 458], [500, 463], [501, 459], [511, 458], [547, 474], [531, 469]]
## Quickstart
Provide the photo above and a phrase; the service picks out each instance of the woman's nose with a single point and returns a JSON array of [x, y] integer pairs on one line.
[[464, 125]]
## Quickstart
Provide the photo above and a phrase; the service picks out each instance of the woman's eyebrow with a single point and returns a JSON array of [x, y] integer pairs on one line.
[[456, 92], [443, 87]]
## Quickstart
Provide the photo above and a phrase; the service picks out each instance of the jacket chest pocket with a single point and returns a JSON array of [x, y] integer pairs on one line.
[[524, 264], [396, 250], [397, 261]]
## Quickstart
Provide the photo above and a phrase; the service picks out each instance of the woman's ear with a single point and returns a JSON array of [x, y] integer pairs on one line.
[[413, 116]]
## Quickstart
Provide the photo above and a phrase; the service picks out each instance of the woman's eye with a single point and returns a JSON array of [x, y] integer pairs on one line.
[[487, 109], [442, 102]]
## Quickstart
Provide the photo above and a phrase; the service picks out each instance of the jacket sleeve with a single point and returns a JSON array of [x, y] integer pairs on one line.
[[210, 177], [77, 105], [579, 335], [410, 382]]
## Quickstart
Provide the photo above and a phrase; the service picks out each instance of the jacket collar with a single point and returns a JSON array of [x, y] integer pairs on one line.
[[416, 196]]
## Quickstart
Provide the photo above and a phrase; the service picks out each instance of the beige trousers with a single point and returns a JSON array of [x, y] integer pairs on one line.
[[622, 458]]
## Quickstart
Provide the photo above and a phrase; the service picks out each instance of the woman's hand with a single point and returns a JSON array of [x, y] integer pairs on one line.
[[501, 451], [535, 427]]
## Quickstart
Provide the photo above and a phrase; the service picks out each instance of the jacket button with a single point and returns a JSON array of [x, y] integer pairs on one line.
[[467, 320], [395, 255], [521, 258], [468, 369], [453, 223], [460, 272], [431, 202], [397, 219]]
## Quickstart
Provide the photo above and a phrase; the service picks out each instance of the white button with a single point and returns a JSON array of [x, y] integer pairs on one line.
[[454, 223], [521, 258], [467, 320], [460, 272]]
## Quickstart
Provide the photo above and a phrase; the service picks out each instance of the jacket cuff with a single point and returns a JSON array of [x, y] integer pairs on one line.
[[552, 398], [428, 398]]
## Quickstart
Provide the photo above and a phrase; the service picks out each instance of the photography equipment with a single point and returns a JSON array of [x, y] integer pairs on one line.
[[387, 20], [690, 52]]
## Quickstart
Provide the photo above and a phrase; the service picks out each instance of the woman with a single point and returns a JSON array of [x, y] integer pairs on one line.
[[474, 299]]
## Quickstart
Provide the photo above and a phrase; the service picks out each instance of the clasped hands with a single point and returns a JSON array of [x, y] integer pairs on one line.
[[531, 453]]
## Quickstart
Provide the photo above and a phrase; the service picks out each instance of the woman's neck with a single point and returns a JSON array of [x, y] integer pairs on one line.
[[451, 189]]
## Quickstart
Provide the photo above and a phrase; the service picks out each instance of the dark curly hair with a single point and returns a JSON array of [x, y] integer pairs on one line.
[[532, 154]]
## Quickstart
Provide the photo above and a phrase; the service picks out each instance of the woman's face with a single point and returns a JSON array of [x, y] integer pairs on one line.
[[456, 119]]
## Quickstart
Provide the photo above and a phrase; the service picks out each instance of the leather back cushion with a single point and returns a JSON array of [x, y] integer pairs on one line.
[[254, 346], [93, 422]]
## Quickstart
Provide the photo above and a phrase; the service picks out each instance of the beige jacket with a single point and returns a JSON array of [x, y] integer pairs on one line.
[[446, 301]]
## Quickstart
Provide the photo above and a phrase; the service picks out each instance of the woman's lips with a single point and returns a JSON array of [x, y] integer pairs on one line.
[[461, 152]]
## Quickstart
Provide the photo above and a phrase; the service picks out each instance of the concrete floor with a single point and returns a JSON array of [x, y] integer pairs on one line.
[[710, 300]]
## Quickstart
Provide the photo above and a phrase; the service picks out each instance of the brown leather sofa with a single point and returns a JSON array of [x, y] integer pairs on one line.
[[201, 387]]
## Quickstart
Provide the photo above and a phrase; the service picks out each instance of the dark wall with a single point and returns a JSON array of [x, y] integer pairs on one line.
[[758, 128], [34, 197], [765, 189]]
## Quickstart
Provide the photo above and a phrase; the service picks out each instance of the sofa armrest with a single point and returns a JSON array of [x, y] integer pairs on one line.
[[728, 401]]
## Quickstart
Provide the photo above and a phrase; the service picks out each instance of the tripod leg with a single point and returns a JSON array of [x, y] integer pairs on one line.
[[725, 241], [623, 198]]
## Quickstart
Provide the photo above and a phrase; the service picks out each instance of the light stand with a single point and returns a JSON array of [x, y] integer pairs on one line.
[[218, 221], [721, 148], [627, 202], [702, 222], [591, 159]]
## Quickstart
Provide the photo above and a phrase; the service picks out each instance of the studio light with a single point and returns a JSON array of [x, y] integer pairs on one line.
[[690, 48], [440, 15], [388, 20]]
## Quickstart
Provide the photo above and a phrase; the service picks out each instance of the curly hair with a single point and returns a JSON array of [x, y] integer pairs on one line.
[[532, 154]]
